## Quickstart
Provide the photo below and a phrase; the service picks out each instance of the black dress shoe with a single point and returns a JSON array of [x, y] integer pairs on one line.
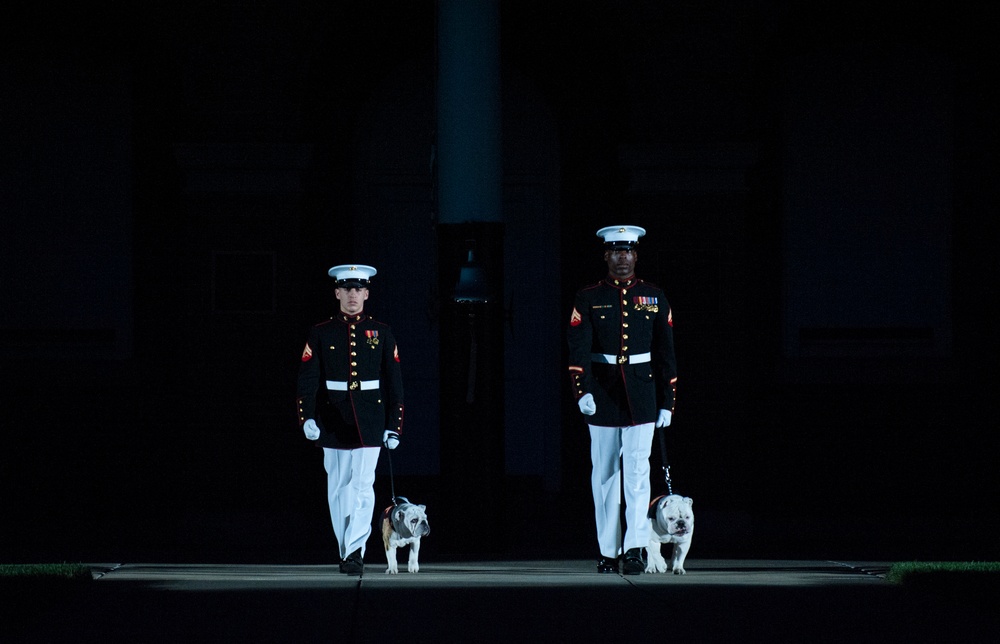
[[634, 565], [353, 564], [607, 564]]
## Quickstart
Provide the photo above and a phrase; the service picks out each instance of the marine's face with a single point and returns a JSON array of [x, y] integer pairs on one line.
[[352, 300], [621, 262]]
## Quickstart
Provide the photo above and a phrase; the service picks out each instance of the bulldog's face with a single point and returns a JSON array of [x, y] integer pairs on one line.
[[675, 513], [411, 518]]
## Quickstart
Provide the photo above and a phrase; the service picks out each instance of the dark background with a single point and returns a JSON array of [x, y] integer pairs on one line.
[[819, 185]]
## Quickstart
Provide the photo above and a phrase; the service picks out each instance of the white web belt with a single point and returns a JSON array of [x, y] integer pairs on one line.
[[607, 358], [340, 385]]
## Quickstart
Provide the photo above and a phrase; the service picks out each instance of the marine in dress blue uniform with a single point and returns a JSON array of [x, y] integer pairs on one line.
[[350, 401], [623, 373]]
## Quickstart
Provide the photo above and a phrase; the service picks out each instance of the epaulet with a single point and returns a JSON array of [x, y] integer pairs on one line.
[[649, 284]]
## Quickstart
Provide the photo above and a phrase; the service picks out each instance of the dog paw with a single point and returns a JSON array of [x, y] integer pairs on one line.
[[392, 570], [413, 567], [679, 571]]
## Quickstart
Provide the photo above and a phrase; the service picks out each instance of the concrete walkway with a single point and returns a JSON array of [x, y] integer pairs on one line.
[[498, 601]]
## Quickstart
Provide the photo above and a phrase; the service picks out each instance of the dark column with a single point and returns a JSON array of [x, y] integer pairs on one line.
[[469, 189]]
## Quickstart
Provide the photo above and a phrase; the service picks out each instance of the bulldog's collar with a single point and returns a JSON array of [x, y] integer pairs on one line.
[[653, 506], [400, 527]]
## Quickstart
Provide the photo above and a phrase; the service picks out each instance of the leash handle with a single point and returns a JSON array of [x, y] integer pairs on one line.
[[663, 454]]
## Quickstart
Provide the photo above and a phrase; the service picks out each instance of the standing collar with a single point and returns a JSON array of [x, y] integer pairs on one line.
[[621, 283], [351, 319]]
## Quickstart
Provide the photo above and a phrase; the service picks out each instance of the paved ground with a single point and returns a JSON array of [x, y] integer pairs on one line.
[[494, 601]]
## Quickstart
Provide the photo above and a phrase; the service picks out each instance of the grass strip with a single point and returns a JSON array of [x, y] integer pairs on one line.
[[920, 572], [40, 572], [32, 592], [975, 584]]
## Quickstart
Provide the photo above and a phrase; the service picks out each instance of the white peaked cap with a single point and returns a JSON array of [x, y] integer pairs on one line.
[[352, 274], [621, 235]]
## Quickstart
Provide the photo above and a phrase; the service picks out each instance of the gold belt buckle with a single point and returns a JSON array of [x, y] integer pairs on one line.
[[622, 359], [354, 385]]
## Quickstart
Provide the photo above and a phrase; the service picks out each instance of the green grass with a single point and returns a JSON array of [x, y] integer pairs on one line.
[[911, 572], [974, 584], [40, 572], [33, 592]]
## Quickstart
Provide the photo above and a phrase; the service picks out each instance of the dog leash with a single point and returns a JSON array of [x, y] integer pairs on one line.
[[392, 480], [666, 465]]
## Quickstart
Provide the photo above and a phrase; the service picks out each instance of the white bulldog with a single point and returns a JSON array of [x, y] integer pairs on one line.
[[403, 525], [672, 519]]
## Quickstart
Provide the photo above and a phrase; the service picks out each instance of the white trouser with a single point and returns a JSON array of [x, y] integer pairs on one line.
[[632, 444], [350, 480]]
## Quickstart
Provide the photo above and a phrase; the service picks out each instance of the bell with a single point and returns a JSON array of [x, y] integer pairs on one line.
[[471, 286]]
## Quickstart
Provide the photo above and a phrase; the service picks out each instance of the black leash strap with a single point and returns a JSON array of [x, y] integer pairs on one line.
[[392, 481], [666, 464]]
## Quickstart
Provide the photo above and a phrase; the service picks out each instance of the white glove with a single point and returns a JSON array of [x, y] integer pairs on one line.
[[664, 419], [587, 405], [311, 429], [390, 439]]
